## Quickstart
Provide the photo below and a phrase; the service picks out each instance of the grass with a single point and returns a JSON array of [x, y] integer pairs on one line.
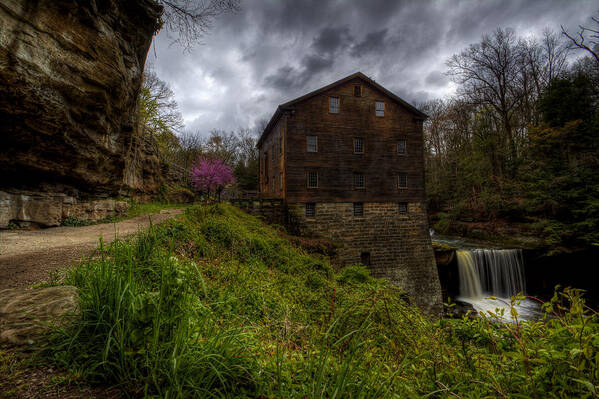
[[135, 210], [217, 304], [151, 207]]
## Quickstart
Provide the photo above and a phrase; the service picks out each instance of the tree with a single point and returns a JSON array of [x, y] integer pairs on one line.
[[487, 73], [211, 175], [562, 183], [592, 39], [158, 115], [192, 19]]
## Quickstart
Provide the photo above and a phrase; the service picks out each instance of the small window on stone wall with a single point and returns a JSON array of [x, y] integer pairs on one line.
[[365, 258], [403, 208], [310, 209], [358, 209]]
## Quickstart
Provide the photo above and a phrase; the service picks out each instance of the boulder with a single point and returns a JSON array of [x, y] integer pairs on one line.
[[71, 72], [25, 315]]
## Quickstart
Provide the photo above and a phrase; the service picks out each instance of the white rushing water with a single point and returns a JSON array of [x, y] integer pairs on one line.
[[494, 272]]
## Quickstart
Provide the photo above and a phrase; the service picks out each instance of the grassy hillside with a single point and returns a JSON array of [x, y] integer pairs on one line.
[[217, 304]]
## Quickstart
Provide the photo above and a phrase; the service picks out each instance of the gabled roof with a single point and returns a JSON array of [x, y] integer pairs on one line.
[[290, 104]]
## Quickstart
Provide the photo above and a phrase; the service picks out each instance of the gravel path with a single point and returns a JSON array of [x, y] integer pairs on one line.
[[26, 257]]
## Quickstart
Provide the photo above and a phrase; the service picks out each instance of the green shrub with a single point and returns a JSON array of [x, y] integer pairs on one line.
[[354, 274], [217, 304]]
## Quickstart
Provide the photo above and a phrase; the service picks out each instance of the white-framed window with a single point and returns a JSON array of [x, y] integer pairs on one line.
[[401, 147], [334, 105], [358, 181], [312, 179], [358, 145], [402, 208], [358, 209], [380, 108], [312, 143], [310, 209], [402, 180]]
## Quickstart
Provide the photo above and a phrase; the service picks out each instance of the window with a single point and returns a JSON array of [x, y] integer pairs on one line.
[[358, 181], [357, 90], [358, 145], [403, 208], [365, 258], [281, 181], [310, 209], [334, 105], [280, 143], [312, 143], [358, 209], [312, 179], [266, 167], [402, 180], [401, 147], [380, 108]]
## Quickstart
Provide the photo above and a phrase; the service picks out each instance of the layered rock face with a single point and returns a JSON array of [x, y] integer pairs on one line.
[[51, 209], [70, 74]]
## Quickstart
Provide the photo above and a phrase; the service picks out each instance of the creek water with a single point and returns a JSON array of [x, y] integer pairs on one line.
[[485, 273]]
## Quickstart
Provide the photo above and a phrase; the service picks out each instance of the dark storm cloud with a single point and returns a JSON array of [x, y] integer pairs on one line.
[[273, 51], [436, 79], [373, 42]]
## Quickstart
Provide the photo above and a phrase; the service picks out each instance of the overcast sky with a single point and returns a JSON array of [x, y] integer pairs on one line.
[[272, 51]]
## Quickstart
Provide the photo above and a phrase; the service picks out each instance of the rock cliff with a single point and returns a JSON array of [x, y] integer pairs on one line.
[[70, 74]]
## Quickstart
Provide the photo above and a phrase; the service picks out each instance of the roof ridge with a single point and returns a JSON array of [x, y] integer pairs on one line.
[[313, 93]]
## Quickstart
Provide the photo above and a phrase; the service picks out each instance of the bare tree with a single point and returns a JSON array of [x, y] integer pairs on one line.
[[489, 74], [192, 19], [590, 43], [222, 145], [247, 145]]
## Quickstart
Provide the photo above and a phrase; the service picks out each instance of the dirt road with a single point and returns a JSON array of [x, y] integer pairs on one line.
[[26, 257]]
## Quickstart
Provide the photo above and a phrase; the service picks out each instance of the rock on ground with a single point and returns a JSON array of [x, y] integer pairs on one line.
[[26, 314]]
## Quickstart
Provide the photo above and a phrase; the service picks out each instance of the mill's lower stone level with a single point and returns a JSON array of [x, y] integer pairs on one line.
[[395, 245]]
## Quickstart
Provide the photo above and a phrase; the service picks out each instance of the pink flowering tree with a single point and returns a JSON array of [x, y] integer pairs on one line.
[[211, 175]]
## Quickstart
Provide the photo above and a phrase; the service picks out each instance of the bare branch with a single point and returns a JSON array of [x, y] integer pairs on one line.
[[190, 20], [578, 41]]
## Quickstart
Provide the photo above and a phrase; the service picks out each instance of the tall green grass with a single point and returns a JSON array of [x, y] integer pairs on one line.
[[217, 304]]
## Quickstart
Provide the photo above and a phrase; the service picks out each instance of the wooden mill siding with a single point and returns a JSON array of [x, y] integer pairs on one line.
[[336, 163], [368, 222]]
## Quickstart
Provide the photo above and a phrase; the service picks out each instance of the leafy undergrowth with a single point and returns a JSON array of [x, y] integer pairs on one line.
[[217, 304]]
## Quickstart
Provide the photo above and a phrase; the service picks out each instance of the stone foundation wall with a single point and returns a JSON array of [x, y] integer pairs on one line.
[[50, 209], [271, 210], [399, 246]]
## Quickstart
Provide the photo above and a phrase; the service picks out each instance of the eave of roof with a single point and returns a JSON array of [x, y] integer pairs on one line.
[[289, 105]]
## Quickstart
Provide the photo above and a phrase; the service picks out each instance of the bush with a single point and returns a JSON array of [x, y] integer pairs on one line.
[[217, 304]]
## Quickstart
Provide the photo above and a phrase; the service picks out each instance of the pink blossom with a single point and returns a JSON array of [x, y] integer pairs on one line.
[[211, 175]]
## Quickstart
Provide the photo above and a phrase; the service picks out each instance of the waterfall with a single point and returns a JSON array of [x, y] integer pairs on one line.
[[497, 272]]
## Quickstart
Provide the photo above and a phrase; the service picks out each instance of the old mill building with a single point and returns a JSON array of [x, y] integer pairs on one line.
[[347, 160]]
